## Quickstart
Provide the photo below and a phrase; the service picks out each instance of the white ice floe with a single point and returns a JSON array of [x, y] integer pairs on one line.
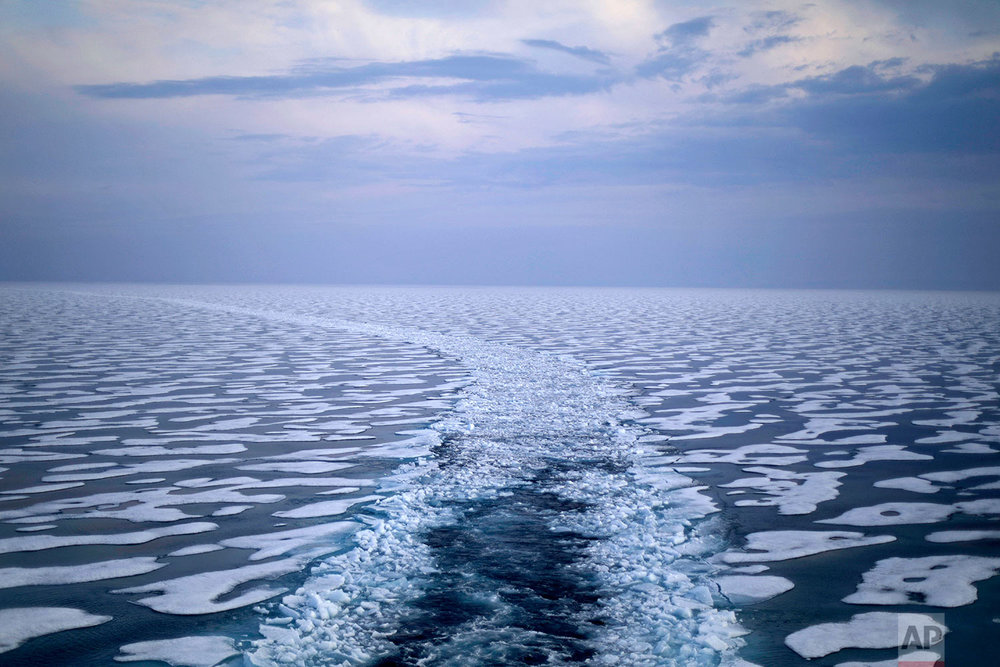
[[791, 492], [877, 453], [40, 542], [195, 549], [876, 629], [890, 514], [231, 510], [205, 651], [155, 450], [744, 589], [171, 465], [774, 545], [320, 539], [940, 581], [768, 455], [199, 593], [963, 535], [947, 437], [11, 577], [971, 448], [912, 484], [19, 624], [324, 508], [298, 467]]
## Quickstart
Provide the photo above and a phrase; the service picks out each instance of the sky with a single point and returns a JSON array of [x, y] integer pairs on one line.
[[830, 144]]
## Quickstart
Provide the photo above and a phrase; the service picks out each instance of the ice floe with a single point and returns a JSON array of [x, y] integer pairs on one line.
[[876, 629], [19, 624], [940, 581], [775, 545], [748, 589], [205, 651]]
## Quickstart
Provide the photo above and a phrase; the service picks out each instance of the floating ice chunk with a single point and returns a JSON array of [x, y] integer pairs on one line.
[[196, 549], [891, 514], [876, 629], [971, 448], [420, 444], [199, 593], [743, 589], [45, 488], [878, 453], [300, 467], [18, 625], [941, 581], [773, 455], [951, 476], [944, 437], [963, 535], [181, 652], [913, 484], [275, 544], [170, 465], [155, 450], [230, 510], [324, 508], [776, 545], [40, 542], [11, 577], [818, 426], [791, 492]]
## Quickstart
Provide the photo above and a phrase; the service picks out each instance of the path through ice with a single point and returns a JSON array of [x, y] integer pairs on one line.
[[535, 534]]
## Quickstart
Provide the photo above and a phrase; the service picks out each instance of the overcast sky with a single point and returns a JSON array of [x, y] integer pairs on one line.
[[837, 143]]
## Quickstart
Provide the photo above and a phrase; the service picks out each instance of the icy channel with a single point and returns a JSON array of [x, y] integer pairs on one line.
[[534, 533]]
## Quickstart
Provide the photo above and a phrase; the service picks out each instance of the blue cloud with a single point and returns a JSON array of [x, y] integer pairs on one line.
[[687, 31], [678, 54], [586, 53], [854, 81], [766, 44], [484, 77]]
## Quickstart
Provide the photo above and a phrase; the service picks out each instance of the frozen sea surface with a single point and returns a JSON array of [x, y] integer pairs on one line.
[[201, 475]]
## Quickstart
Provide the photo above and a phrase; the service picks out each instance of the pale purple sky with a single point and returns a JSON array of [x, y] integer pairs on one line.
[[621, 142]]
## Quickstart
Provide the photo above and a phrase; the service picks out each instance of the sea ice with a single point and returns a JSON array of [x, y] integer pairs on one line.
[[205, 651], [11, 577], [742, 589], [199, 593], [940, 581], [876, 629], [324, 508], [790, 492], [19, 624], [963, 535], [776, 545], [40, 542], [877, 453]]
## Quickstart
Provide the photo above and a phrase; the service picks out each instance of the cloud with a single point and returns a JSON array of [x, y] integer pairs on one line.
[[678, 54], [687, 32], [858, 111], [586, 53], [855, 80], [766, 44], [482, 77]]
